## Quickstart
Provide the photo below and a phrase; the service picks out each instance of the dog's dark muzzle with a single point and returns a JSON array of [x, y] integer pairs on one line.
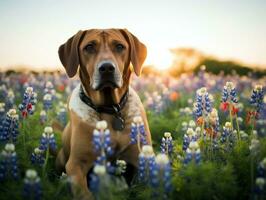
[[107, 76]]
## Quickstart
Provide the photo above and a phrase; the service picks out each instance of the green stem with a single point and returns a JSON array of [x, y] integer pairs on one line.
[[46, 161], [252, 173]]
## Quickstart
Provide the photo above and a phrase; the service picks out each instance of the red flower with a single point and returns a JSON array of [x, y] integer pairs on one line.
[[234, 110], [29, 106], [24, 113], [224, 106]]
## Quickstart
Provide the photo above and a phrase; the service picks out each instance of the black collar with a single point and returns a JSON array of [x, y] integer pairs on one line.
[[112, 109]]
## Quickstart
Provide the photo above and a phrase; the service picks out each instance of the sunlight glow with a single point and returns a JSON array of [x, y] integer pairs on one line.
[[160, 58]]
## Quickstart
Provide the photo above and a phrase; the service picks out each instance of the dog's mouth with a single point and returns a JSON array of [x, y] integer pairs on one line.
[[107, 84]]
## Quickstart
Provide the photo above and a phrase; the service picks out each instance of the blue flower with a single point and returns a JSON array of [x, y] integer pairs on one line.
[[37, 157], [146, 160], [161, 177], [203, 103], [48, 139], [9, 128], [47, 102], [193, 153], [137, 133], [229, 93], [256, 98], [32, 185], [62, 116], [167, 144], [190, 135], [8, 163], [99, 172], [43, 117], [28, 102], [102, 141]]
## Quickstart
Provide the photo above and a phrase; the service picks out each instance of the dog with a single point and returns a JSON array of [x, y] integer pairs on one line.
[[104, 59]]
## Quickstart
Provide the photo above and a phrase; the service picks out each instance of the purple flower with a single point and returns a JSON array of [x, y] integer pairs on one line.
[[8, 163], [229, 93], [28, 102], [37, 157], [146, 160], [137, 134], [193, 153], [161, 177], [32, 185], [167, 144], [256, 98], [203, 104], [9, 128], [48, 139]]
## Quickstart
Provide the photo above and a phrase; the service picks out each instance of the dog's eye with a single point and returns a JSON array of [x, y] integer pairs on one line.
[[119, 48], [90, 48]]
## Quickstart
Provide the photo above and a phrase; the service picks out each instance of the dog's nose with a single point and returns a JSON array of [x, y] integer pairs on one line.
[[107, 68]]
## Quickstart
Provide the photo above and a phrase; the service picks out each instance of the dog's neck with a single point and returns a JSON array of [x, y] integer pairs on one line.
[[106, 96]]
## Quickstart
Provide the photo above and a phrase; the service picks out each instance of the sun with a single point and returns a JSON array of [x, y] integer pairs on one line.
[[160, 58]]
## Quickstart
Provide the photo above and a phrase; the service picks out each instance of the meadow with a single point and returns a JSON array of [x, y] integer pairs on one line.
[[208, 136]]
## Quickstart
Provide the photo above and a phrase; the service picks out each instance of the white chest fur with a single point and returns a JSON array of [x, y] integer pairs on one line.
[[89, 115]]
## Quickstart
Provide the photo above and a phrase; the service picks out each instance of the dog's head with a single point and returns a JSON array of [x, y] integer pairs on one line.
[[104, 56]]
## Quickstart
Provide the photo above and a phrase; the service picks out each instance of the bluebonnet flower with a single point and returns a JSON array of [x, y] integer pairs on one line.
[[43, 117], [32, 185], [229, 93], [28, 102], [47, 102], [190, 135], [8, 163], [203, 103], [10, 99], [37, 157], [137, 133], [49, 88], [102, 141], [155, 102], [146, 160], [98, 176], [2, 112], [62, 116], [9, 127], [167, 144], [161, 177], [193, 153], [261, 178], [214, 122], [256, 98], [48, 139]]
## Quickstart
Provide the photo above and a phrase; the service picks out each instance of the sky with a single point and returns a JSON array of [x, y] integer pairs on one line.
[[32, 31]]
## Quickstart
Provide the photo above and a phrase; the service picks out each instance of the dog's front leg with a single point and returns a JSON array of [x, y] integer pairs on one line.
[[78, 172]]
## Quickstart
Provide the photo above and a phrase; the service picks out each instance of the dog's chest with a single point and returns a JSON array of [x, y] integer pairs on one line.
[[90, 116]]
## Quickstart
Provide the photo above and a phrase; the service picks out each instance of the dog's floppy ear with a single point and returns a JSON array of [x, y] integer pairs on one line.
[[69, 53], [138, 51]]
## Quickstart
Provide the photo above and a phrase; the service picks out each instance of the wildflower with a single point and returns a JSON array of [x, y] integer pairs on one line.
[[48, 139], [99, 171], [137, 134], [29, 100], [260, 183], [256, 98], [161, 176], [229, 93], [190, 135], [43, 117], [146, 159], [47, 102], [8, 163], [37, 157], [2, 111], [102, 141], [32, 185], [203, 103], [10, 99], [49, 88], [167, 144], [193, 151], [62, 116], [121, 166], [9, 127]]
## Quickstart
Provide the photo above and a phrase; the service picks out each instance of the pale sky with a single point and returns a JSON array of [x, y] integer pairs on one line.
[[31, 31]]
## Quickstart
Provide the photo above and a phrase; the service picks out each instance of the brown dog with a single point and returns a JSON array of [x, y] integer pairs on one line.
[[102, 58]]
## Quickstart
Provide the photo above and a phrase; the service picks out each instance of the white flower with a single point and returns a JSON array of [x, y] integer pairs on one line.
[[193, 146], [12, 113], [43, 113], [202, 91], [162, 159], [29, 90], [99, 170], [147, 151], [184, 124], [38, 151], [228, 125], [192, 123], [101, 125], [47, 97], [167, 135], [258, 87], [137, 120], [190, 131], [48, 129], [10, 147], [260, 182], [229, 85], [31, 174]]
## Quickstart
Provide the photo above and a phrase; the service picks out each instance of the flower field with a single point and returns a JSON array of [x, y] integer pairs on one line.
[[208, 131]]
